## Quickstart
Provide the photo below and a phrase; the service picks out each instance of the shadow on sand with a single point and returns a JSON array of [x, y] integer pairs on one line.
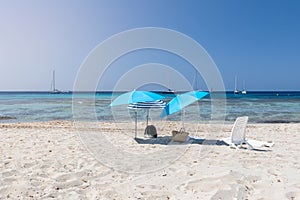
[[167, 140]]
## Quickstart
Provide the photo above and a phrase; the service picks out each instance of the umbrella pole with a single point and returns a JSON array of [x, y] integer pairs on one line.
[[147, 117], [135, 124], [182, 118]]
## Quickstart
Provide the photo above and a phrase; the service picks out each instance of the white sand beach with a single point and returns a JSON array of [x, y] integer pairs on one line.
[[50, 160]]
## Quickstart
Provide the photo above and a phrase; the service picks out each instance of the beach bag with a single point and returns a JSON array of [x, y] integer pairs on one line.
[[150, 131], [179, 136]]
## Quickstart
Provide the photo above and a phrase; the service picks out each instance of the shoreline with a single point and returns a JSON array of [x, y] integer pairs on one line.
[[67, 121]]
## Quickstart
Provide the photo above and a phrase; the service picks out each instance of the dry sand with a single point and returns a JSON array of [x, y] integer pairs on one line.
[[63, 160]]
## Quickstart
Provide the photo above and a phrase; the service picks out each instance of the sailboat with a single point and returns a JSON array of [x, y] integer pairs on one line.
[[244, 90], [195, 82], [169, 90], [235, 86], [53, 90]]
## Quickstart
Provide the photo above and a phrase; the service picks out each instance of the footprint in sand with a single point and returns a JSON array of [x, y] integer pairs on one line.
[[9, 173], [204, 185], [293, 195], [223, 194]]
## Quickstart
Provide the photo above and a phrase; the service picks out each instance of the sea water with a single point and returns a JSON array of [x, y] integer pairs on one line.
[[261, 107]]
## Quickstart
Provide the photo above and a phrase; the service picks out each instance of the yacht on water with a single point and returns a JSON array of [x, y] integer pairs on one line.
[[169, 90], [53, 90], [244, 90], [195, 81], [235, 86]]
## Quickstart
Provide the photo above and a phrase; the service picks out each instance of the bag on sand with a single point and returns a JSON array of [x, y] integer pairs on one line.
[[150, 130], [179, 136]]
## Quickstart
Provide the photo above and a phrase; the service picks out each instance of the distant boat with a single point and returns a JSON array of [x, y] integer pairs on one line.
[[53, 90], [169, 91], [195, 82], [244, 90], [235, 86]]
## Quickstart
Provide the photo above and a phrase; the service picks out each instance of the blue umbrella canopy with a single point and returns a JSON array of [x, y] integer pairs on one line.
[[181, 101], [136, 96]]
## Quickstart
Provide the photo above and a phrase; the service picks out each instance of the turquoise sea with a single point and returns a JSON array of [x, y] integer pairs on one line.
[[261, 107]]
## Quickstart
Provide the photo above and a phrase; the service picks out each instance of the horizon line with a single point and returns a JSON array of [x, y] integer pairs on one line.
[[111, 91]]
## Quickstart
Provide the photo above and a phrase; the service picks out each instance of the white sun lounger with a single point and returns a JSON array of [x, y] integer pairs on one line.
[[238, 136]]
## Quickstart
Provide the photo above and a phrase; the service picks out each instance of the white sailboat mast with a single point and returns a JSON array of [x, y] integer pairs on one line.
[[235, 86], [53, 80]]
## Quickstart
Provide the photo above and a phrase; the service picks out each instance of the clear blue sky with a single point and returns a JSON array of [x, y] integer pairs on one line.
[[257, 40]]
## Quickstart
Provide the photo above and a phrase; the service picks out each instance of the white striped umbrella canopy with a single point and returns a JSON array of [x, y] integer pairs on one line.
[[148, 105]]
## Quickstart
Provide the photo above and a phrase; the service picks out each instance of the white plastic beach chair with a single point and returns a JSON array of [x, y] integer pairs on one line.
[[238, 136]]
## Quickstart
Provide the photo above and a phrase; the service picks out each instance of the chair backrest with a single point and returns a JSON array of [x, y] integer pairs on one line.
[[238, 130]]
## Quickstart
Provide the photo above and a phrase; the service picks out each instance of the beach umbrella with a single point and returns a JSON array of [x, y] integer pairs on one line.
[[136, 96], [145, 105], [136, 99], [181, 101]]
